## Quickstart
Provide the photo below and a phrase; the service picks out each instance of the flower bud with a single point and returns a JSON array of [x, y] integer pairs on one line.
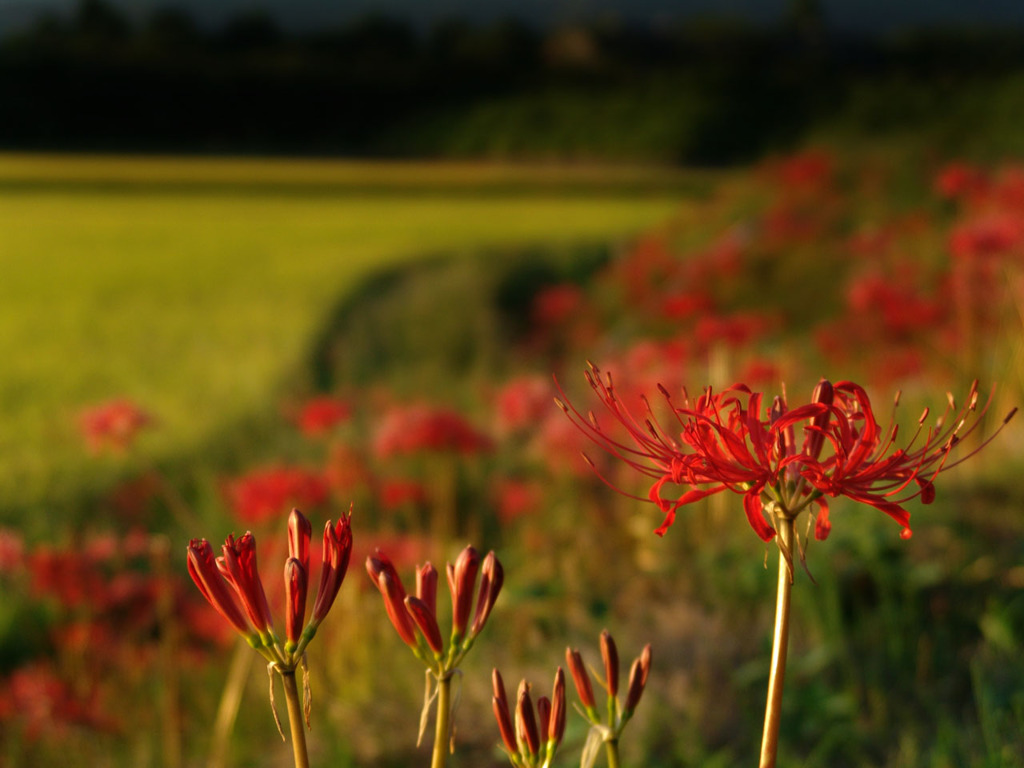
[[336, 554], [203, 570], [638, 679], [580, 678], [611, 663], [299, 532], [556, 725], [491, 579], [501, 714], [385, 577], [526, 722], [426, 586], [426, 621], [238, 565], [463, 581], [295, 583]]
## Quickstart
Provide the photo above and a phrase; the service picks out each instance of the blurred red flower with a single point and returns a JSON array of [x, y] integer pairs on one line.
[[318, 416], [45, 705], [517, 498], [424, 428], [393, 494], [112, 426], [522, 403], [266, 493]]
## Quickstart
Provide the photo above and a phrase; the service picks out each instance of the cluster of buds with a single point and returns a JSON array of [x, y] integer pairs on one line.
[[415, 619], [415, 616], [231, 583], [608, 729], [531, 740]]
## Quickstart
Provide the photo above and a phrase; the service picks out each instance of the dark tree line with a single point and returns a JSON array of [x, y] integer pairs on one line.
[[99, 81]]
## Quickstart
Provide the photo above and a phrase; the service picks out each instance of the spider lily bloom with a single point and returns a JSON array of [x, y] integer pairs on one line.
[[530, 740], [729, 441], [866, 467], [609, 729]]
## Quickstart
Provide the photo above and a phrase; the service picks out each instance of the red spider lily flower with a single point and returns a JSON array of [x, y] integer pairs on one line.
[[261, 495], [727, 441], [423, 428], [960, 180], [865, 465], [12, 551], [521, 403], [44, 705], [237, 568], [516, 498], [113, 425], [320, 415], [394, 494]]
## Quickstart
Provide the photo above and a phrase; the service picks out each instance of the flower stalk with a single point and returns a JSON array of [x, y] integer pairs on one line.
[[780, 645], [295, 718], [442, 724]]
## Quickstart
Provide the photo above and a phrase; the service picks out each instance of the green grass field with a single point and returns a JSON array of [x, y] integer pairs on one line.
[[194, 286]]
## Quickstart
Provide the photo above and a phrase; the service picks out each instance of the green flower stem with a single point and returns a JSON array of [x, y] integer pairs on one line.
[[295, 719], [444, 690], [780, 644], [612, 750]]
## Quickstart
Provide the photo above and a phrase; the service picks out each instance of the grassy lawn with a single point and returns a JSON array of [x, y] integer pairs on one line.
[[194, 286]]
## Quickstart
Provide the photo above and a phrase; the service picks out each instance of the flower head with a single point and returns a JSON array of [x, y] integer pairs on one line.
[[414, 617], [232, 584], [733, 441]]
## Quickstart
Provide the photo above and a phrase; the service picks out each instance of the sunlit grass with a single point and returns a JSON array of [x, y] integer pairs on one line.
[[199, 303]]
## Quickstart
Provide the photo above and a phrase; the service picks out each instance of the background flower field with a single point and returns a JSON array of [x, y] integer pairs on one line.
[[193, 348]]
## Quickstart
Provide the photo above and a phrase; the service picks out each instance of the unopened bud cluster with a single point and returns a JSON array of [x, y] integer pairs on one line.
[[231, 583], [617, 713], [414, 617], [530, 740]]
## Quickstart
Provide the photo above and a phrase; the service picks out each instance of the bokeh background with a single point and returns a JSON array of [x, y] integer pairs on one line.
[[262, 256]]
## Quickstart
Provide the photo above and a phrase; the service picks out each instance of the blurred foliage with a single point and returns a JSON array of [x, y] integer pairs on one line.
[[702, 91]]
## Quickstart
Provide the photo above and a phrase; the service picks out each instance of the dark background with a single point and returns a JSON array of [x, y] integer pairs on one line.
[[572, 80]]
